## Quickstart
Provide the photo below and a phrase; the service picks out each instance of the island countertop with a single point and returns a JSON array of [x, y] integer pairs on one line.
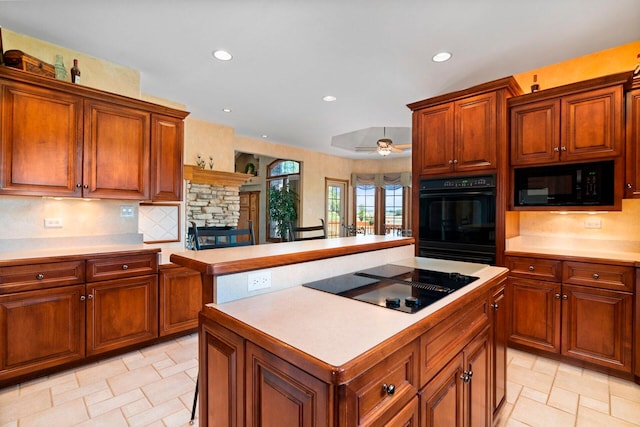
[[246, 258], [334, 329]]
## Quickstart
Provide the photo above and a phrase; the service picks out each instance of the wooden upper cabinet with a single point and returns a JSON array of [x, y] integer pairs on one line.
[[462, 131], [632, 184], [61, 139], [475, 133], [41, 141], [166, 157], [578, 122], [113, 133]]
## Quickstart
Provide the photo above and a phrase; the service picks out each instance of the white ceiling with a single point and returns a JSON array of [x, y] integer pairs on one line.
[[373, 55]]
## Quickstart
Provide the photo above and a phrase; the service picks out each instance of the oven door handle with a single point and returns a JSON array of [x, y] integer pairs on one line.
[[456, 193]]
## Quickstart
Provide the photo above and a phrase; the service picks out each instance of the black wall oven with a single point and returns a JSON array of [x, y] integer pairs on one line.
[[457, 218]]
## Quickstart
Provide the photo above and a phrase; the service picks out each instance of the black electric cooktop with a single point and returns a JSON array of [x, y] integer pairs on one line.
[[396, 287]]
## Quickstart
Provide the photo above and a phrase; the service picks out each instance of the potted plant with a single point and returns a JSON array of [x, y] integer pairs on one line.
[[283, 202]]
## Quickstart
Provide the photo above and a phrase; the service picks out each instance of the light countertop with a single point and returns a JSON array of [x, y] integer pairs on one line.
[[334, 329]]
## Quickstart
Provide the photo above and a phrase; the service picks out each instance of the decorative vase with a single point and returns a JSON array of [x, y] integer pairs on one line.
[[61, 72]]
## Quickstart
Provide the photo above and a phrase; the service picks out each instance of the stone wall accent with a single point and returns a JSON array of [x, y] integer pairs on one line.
[[213, 205]]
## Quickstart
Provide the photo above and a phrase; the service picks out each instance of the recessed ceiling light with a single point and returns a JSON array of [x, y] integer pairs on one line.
[[329, 98], [441, 57], [222, 55], [226, 110], [265, 136]]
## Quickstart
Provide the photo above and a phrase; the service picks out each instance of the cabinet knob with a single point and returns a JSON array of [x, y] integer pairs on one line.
[[78, 185], [596, 276], [85, 186], [455, 161], [495, 306], [563, 148], [450, 162], [556, 149], [531, 268], [466, 376], [557, 296], [125, 267], [565, 297], [629, 186], [90, 296], [39, 276], [82, 298], [389, 389]]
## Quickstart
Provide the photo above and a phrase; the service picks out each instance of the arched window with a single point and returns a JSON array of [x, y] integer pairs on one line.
[[280, 174]]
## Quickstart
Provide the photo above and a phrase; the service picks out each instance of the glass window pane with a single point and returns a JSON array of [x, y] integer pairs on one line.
[[393, 209], [366, 208]]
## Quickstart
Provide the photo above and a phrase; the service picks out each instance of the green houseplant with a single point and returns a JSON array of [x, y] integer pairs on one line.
[[283, 202]]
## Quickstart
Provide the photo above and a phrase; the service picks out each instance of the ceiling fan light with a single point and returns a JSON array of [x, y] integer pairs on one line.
[[384, 151]]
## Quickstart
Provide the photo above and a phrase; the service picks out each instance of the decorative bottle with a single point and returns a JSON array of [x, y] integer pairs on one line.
[[636, 71], [75, 72], [535, 86], [61, 72]]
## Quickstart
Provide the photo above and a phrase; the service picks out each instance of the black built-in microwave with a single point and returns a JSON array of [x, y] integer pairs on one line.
[[580, 184]]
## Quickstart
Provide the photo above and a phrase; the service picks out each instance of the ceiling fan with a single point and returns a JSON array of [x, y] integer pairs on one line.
[[384, 146]]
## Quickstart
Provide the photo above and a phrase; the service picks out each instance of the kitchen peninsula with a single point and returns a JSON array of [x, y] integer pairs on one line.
[[298, 356]]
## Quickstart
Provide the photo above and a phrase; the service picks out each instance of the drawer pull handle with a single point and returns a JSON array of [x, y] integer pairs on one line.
[[389, 389], [125, 267], [596, 276], [531, 268], [40, 276]]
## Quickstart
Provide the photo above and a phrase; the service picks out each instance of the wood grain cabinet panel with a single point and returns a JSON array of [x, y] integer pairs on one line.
[[40, 156], [41, 329], [632, 155], [180, 299], [114, 133], [31, 277], [535, 133], [499, 347], [121, 312], [167, 146]]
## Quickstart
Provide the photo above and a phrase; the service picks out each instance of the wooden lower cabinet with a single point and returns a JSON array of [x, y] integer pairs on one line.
[[279, 393], [41, 329], [121, 312], [591, 322], [180, 300], [248, 378]]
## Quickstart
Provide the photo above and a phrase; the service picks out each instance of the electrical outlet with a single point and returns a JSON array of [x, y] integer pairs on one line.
[[126, 211], [53, 223], [259, 280], [593, 223]]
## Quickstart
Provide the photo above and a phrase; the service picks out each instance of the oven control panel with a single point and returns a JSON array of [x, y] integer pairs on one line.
[[484, 181]]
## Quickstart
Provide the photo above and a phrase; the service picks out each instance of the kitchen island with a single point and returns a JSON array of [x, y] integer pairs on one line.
[[299, 356]]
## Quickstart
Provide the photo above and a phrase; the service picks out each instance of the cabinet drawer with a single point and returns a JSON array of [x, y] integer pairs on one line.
[[40, 276], [118, 267], [535, 268], [380, 392], [598, 275], [442, 342]]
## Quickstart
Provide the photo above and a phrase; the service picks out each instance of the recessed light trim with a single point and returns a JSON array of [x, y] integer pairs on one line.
[[226, 110], [441, 57], [329, 98], [265, 136], [222, 55]]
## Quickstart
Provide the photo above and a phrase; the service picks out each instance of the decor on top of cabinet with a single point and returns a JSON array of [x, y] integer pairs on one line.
[[61, 71], [18, 59], [636, 71], [535, 86]]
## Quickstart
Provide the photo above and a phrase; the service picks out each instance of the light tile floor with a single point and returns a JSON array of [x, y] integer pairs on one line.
[[154, 387]]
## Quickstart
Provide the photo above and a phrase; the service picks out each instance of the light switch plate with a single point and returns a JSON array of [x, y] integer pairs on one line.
[[53, 223], [593, 223]]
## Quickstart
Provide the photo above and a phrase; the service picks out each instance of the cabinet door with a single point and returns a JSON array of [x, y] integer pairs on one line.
[[593, 124], [534, 317], [41, 142], [477, 402], [280, 394], [596, 326], [499, 322], [407, 417], [222, 370], [180, 300], [116, 151], [41, 329], [441, 401], [633, 143], [433, 130], [535, 133], [166, 158], [121, 312], [475, 133]]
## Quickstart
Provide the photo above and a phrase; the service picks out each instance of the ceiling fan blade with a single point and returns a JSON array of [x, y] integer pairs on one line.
[[402, 146], [396, 150], [361, 149]]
